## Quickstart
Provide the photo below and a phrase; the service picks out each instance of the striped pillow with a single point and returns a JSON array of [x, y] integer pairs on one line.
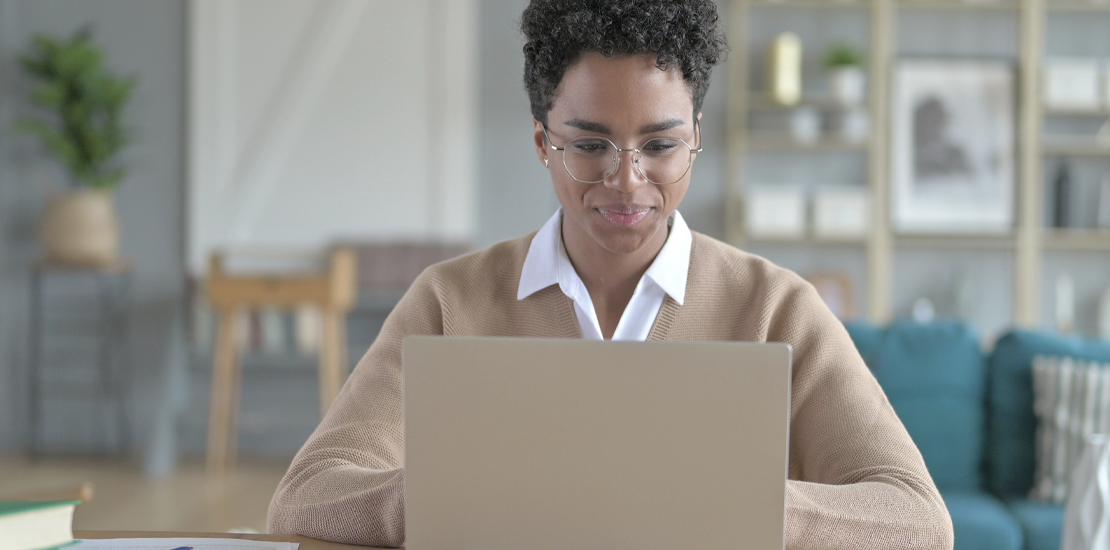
[[1071, 399]]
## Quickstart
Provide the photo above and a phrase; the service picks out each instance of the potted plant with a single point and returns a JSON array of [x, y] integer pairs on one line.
[[846, 77], [80, 105]]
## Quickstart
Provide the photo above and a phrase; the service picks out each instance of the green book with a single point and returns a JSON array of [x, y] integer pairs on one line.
[[36, 525]]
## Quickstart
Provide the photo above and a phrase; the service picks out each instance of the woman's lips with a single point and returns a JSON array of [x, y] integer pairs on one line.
[[624, 216]]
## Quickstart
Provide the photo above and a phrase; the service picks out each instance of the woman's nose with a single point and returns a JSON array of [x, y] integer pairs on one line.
[[627, 177]]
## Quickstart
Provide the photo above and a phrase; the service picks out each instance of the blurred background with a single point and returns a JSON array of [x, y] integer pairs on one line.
[[917, 158]]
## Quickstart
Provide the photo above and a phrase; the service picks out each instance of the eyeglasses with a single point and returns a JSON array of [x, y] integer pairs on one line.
[[662, 161]]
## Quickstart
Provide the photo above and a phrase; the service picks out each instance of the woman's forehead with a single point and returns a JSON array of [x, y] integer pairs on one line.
[[628, 93]]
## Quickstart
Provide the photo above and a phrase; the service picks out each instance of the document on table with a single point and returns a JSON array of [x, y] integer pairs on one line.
[[181, 544]]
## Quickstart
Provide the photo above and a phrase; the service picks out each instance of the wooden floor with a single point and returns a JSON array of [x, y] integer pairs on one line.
[[125, 499]]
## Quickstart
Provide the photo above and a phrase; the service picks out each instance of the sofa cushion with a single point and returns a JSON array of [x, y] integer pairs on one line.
[[1071, 400], [934, 376], [867, 338], [981, 522], [1041, 522], [1011, 435]]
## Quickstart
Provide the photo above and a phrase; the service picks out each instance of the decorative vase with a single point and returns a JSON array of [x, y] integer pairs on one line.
[[1087, 513], [80, 227], [784, 69], [846, 84], [805, 125], [852, 125]]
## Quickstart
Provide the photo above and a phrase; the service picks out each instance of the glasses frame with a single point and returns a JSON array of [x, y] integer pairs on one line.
[[637, 154]]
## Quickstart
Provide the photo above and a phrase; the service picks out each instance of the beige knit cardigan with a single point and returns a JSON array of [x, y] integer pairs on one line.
[[856, 480]]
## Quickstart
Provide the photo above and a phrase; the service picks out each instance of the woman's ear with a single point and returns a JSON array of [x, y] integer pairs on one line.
[[697, 127], [541, 142]]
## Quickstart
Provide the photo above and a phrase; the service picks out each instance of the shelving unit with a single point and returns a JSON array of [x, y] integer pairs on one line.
[[1030, 237]]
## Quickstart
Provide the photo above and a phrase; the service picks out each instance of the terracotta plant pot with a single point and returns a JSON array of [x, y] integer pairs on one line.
[[80, 227]]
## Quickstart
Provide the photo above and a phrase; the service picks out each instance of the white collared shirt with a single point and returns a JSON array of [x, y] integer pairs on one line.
[[547, 264]]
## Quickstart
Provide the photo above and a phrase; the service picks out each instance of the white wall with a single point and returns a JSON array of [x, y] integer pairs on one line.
[[316, 121]]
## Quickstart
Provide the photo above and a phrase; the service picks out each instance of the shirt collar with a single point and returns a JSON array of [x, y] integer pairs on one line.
[[547, 262], [672, 264]]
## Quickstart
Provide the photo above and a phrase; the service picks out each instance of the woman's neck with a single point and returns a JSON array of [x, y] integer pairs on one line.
[[610, 277]]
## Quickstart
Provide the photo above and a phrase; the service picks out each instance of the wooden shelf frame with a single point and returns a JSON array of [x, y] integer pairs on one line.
[[963, 5], [1077, 7], [807, 240], [1075, 148], [812, 4], [978, 242], [1087, 240], [782, 142], [1030, 238]]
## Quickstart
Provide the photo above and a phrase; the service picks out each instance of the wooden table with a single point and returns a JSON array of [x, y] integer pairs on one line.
[[306, 543]]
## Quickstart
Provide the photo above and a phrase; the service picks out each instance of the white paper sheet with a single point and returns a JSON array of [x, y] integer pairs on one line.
[[182, 543]]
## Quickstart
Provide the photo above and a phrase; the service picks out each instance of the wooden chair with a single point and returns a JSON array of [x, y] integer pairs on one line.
[[333, 292]]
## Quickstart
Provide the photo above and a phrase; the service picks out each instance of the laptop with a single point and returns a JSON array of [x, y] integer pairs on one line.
[[559, 444]]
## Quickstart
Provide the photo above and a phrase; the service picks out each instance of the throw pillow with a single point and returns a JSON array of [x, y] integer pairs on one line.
[[1071, 400]]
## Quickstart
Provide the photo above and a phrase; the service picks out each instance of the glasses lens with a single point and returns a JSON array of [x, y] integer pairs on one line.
[[664, 160], [590, 159]]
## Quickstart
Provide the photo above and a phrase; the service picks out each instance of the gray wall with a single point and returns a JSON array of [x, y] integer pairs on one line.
[[145, 39]]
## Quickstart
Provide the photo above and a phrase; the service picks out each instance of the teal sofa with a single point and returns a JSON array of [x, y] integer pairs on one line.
[[971, 415]]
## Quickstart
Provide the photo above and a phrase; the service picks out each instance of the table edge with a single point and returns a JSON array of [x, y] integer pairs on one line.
[[306, 542]]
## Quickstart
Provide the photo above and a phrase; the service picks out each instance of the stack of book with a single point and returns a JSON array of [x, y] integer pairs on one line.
[[36, 525]]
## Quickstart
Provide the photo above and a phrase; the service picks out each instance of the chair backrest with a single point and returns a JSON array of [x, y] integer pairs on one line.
[[1012, 428], [935, 378]]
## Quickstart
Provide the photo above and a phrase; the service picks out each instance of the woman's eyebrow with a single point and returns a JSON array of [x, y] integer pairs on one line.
[[603, 129], [588, 126], [661, 126]]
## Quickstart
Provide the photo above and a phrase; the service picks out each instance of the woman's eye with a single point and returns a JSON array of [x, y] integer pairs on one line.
[[659, 146], [590, 147]]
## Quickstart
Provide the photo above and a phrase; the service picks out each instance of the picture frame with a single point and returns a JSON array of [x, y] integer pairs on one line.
[[836, 291], [953, 147]]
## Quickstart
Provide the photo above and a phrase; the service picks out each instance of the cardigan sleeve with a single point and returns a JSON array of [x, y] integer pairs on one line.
[[347, 483], [856, 478]]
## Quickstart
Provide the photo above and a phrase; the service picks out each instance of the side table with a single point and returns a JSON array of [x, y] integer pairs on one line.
[[109, 322]]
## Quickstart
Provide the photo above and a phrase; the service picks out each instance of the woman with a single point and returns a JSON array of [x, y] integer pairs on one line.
[[616, 89]]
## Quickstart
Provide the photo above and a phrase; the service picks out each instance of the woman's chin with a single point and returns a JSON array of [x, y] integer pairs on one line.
[[623, 240]]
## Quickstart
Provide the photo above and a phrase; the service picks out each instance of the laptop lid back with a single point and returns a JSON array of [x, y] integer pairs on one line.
[[556, 444]]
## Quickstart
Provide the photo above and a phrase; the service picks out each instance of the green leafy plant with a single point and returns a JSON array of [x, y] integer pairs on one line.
[[843, 55], [82, 102]]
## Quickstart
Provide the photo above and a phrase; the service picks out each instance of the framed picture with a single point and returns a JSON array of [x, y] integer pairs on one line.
[[953, 147], [836, 290]]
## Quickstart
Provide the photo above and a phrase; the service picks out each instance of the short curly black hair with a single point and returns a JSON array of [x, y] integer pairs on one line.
[[680, 33]]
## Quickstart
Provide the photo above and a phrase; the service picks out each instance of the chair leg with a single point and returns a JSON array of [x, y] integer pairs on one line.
[[333, 359], [225, 368]]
